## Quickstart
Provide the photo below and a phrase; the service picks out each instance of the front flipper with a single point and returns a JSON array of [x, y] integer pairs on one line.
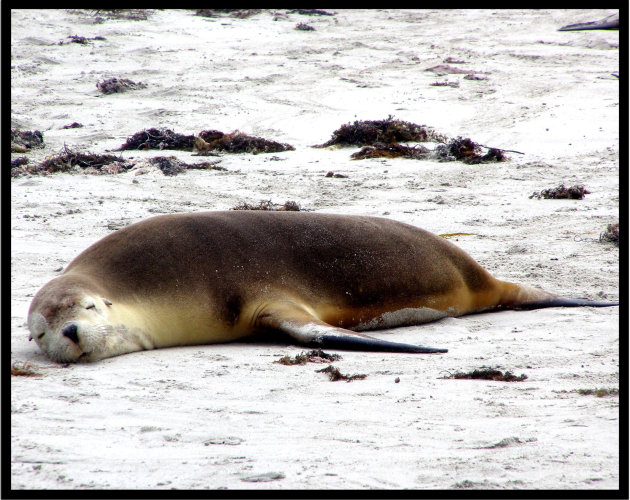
[[304, 327]]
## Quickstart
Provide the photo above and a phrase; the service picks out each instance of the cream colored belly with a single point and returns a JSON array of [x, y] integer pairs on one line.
[[171, 323]]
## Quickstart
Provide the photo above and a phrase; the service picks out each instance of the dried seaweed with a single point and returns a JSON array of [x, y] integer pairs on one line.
[[118, 85], [79, 39], [18, 162], [238, 13], [158, 139], [576, 192], [172, 166], [485, 373], [70, 161], [600, 393], [314, 356], [388, 131], [168, 165], [380, 150], [445, 69], [289, 206], [310, 12], [23, 140], [237, 142], [334, 374], [304, 27], [611, 234], [466, 150], [19, 369], [127, 14], [73, 125]]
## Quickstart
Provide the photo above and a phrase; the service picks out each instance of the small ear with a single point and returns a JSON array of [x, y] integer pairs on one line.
[[107, 302]]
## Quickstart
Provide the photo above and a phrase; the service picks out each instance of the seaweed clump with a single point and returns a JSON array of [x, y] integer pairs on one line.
[[467, 151], [117, 85], [576, 192], [289, 206], [79, 39], [238, 142], [172, 166], [380, 150], [388, 131], [488, 374], [19, 369], [314, 356], [304, 27], [600, 393], [70, 161], [158, 139], [334, 374], [126, 14], [611, 234], [238, 13], [311, 12], [206, 141], [23, 140]]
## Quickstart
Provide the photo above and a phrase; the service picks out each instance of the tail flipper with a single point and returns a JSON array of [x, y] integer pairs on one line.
[[309, 330], [564, 302], [608, 23]]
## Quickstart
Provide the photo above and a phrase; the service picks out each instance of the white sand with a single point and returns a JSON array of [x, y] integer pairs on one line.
[[226, 416]]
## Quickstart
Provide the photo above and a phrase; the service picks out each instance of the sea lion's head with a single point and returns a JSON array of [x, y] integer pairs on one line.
[[70, 320]]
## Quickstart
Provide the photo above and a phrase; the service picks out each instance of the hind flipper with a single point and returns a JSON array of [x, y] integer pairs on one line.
[[564, 302], [309, 330], [608, 23]]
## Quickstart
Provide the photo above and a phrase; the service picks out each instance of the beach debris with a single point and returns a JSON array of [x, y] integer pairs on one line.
[[314, 356], [600, 393], [72, 161], [18, 162], [576, 192], [445, 69], [125, 14], [23, 369], [172, 166], [158, 139], [203, 143], [452, 60], [466, 150], [289, 206], [611, 234], [338, 176], [381, 138], [388, 131], [238, 142], [237, 13], [264, 478], [334, 374], [311, 12], [304, 27], [168, 165], [23, 140], [486, 373], [79, 39], [445, 83], [118, 85], [381, 150], [73, 125]]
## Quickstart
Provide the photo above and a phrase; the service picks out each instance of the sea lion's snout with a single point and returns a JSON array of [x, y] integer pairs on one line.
[[71, 331]]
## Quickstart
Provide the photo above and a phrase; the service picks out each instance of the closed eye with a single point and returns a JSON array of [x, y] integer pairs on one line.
[[41, 335], [91, 306]]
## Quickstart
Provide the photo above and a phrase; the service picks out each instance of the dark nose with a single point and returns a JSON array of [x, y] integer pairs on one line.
[[70, 331]]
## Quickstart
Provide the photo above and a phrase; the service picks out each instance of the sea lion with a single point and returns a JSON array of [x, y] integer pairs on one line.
[[211, 277]]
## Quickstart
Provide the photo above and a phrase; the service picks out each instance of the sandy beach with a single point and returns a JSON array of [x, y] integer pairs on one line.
[[226, 416]]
